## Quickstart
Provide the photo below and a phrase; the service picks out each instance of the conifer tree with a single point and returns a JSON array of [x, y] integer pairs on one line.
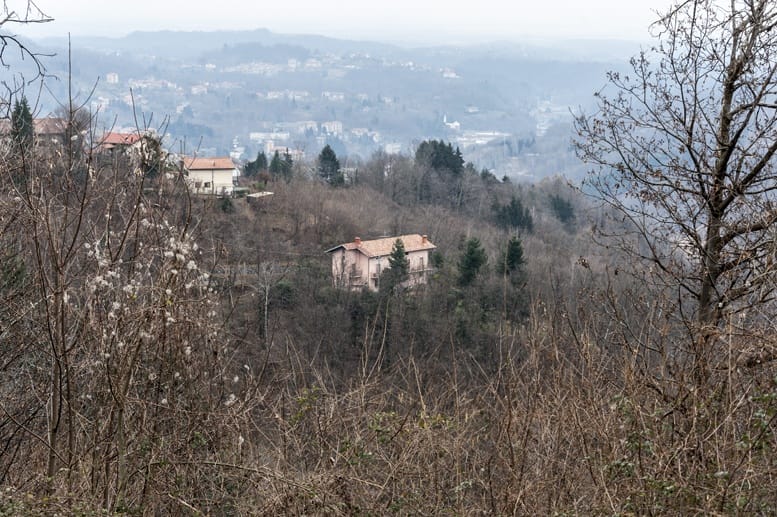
[[398, 259], [562, 209], [329, 166], [276, 166], [399, 266], [512, 260], [513, 215], [255, 167], [22, 124], [471, 262], [287, 166]]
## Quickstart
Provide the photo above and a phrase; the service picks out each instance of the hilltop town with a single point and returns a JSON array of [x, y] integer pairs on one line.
[[241, 93]]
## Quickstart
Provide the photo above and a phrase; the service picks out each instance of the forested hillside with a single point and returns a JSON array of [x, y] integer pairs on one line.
[[163, 352], [193, 355]]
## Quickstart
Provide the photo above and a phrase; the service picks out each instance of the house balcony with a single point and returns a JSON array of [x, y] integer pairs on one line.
[[418, 271], [356, 279]]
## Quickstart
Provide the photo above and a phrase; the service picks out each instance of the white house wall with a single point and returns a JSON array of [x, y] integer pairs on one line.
[[211, 181], [352, 269]]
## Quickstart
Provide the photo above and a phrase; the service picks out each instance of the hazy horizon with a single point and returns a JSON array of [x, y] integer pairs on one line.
[[400, 21]]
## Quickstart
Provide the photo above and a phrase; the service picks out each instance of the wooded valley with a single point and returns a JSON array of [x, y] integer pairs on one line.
[[606, 348]]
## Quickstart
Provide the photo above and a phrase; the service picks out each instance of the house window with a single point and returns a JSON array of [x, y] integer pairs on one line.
[[207, 184]]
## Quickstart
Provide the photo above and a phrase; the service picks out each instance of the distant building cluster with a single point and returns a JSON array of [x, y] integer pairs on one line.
[[309, 102]]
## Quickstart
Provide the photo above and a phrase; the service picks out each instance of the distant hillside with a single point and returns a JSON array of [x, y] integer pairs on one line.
[[240, 92], [190, 44]]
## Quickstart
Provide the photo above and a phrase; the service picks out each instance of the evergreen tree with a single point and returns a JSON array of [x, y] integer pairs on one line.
[[398, 259], [255, 167], [471, 261], [440, 156], [329, 166], [276, 165], [399, 267], [21, 123], [513, 215], [514, 297], [287, 166], [512, 259], [261, 161], [562, 209], [437, 260], [282, 166], [488, 177]]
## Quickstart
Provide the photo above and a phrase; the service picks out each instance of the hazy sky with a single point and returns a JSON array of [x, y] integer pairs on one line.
[[413, 21]]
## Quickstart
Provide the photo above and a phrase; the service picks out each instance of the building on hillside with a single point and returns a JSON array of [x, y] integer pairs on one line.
[[113, 142], [47, 131], [51, 130], [213, 176], [359, 264], [332, 127]]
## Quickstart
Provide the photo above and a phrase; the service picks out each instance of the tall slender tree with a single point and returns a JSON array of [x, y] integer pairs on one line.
[[471, 262], [258, 165], [512, 259], [329, 166], [684, 147], [22, 129], [399, 267]]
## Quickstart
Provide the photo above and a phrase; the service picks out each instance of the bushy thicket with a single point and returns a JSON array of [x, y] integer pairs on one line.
[[162, 355]]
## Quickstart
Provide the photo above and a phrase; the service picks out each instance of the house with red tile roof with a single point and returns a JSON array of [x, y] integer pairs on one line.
[[359, 264], [113, 141], [213, 176]]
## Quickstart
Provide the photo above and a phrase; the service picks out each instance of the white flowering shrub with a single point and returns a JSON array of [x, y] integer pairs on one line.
[[152, 296], [123, 350]]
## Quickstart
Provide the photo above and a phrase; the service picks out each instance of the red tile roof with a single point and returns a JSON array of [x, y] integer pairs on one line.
[[220, 163], [111, 138], [383, 247]]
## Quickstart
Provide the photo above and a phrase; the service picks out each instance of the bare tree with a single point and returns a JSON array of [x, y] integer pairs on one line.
[[13, 49], [108, 320], [684, 148]]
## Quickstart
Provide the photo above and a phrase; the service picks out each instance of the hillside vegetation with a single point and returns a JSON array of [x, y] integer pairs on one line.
[[163, 353], [170, 353]]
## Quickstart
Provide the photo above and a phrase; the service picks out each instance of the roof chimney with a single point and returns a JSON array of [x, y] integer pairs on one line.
[[424, 239], [357, 241]]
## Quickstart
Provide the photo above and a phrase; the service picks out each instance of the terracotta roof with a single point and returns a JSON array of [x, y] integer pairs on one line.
[[207, 164], [383, 247], [50, 126], [119, 138]]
